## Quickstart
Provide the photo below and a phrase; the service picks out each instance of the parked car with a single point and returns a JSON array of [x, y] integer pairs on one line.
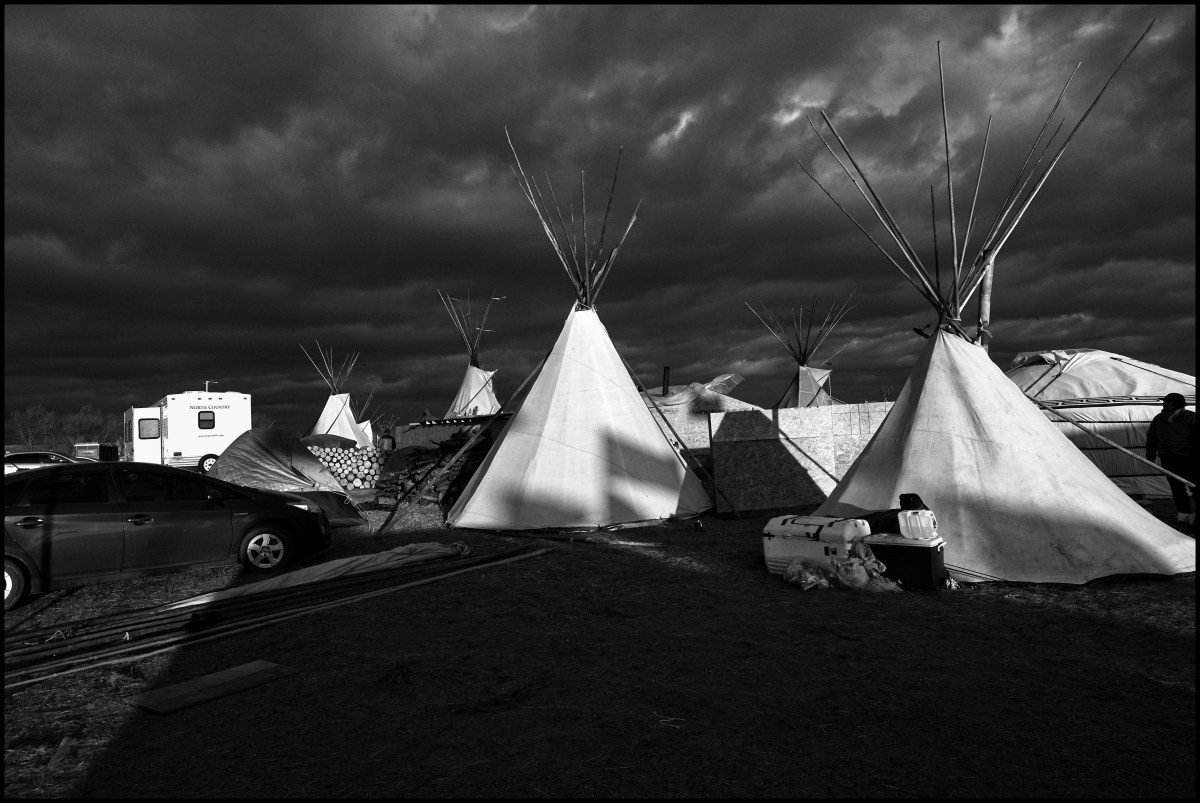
[[20, 461], [88, 523]]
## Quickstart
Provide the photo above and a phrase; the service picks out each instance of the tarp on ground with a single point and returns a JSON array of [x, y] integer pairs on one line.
[[405, 555], [274, 459], [1014, 499]]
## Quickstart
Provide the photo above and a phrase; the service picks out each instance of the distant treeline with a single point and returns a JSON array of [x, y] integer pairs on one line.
[[39, 427]]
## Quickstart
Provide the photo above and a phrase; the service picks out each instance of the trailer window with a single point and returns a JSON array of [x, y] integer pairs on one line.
[[147, 427], [208, 419]]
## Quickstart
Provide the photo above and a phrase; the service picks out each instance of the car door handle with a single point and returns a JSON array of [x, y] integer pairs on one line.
[[141, 518], [31, 521]]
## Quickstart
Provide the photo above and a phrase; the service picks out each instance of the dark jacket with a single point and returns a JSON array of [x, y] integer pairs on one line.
[[1172, 438]]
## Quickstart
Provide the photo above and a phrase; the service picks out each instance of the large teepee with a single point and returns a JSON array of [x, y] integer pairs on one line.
[[476, 394], [1014, 499], [582, 451], [337, 417], [810, 384]]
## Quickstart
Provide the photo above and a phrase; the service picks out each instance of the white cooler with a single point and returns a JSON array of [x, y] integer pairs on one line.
[[827, 538]]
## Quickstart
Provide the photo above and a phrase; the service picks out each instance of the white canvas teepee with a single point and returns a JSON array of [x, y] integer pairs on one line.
[[1013, 498], [337, 416], [476, 394], [582, 451], [810, 385]]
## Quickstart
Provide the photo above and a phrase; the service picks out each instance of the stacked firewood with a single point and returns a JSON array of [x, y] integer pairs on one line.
[[353, 468], [422, 463]]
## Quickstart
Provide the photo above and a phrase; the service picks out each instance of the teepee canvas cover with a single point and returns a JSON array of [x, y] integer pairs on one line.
[[1014, 498], [474, 396], [582, 451], [337, 419]]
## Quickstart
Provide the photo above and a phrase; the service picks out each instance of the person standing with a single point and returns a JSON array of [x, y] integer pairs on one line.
[[1172, 440]]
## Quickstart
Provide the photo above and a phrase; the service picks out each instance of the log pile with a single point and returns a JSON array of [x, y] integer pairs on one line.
[[356, 468], [421, 463]]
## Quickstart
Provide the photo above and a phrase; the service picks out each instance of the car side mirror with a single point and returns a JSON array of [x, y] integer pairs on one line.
[[214, 496]]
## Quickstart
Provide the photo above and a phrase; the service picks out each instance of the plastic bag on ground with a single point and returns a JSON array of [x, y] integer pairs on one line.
[[808, 575]]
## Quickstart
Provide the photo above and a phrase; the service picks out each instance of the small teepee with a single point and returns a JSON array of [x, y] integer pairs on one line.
[[810, 384], [1014, 499], [582, 451], [476, 394], [337, 417]]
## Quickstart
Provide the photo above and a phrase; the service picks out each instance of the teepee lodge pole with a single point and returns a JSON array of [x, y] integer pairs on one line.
[[984, 331], [969, 273], [587, 264]]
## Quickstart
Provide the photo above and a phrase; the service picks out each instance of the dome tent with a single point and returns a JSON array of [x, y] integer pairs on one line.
[[274, 459]]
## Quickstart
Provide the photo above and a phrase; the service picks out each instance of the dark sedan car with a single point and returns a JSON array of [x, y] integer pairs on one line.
[[23, 461], [88, 523]]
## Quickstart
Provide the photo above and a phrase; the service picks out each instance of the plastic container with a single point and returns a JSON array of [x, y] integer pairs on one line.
[[913, 563], [817, 528], [918, 524]]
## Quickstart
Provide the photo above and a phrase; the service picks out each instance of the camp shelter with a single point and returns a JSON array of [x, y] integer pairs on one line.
[[337, 416], [810, 384], [582, 450], [274, 459], [1092, 392], [1014, 499], [476, 395]]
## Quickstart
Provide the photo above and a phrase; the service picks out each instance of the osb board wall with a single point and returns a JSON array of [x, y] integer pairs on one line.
[[789, 457], [690, 419]]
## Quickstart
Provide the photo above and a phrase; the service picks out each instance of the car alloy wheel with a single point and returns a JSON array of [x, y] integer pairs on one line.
[[265, 549]]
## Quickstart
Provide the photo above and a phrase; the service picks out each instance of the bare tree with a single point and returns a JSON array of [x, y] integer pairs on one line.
[[33, 424]]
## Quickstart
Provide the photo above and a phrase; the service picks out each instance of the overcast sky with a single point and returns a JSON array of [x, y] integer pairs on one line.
[[193, 193]]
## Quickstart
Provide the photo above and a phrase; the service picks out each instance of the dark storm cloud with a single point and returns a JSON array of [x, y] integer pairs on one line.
[[193, 193]]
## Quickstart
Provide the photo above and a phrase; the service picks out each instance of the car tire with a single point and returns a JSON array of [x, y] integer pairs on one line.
[[266, 549], [206, 463], [15, 584]]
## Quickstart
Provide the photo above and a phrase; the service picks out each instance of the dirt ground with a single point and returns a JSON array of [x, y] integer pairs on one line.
[[664, 662]]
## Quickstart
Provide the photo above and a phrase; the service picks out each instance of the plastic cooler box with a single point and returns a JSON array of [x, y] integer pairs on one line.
[[917, 563], [827, 538]]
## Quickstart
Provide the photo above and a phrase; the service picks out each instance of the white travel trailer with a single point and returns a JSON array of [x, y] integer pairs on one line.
[[185, 430]]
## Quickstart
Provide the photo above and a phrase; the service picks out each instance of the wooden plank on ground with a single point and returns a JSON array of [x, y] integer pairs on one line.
[[177, 696]]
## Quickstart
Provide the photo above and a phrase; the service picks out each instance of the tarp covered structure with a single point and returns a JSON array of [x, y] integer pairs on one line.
[[1110, 395], [274, 459], [1014, 498]]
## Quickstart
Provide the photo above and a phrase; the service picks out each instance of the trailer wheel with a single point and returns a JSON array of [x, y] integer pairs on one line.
[[206, 463]]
